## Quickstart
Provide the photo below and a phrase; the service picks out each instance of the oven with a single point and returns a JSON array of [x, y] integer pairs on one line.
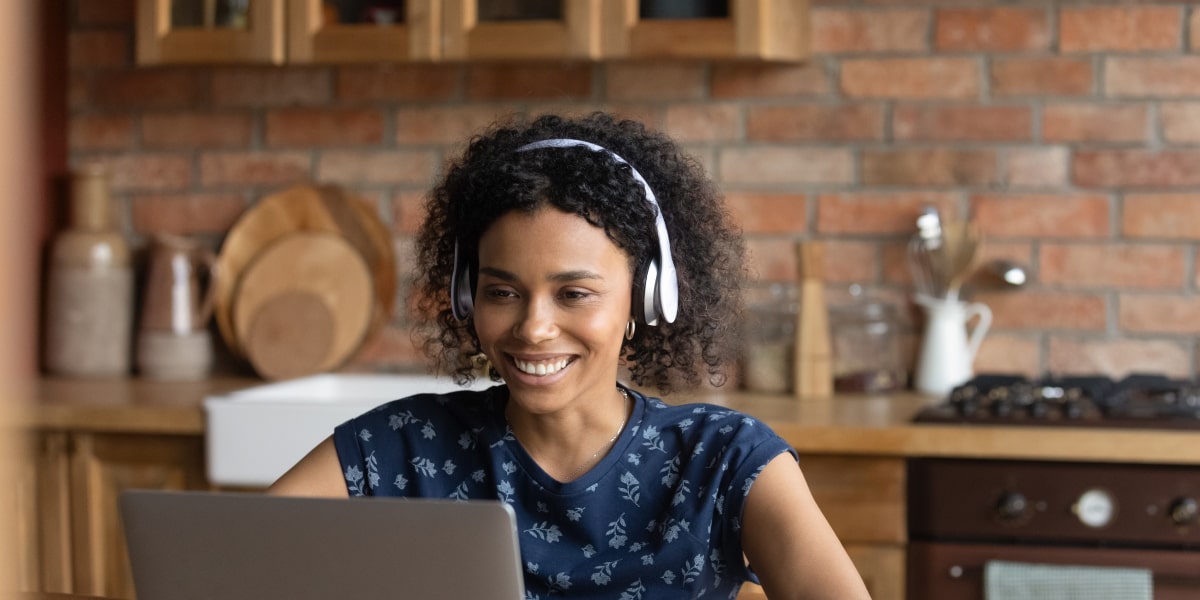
[[973, 519]]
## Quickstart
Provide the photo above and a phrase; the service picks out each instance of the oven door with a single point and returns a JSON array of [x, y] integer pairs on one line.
[[945, 571]]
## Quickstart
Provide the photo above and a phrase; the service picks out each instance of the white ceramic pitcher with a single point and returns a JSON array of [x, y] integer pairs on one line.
[[947, 350]]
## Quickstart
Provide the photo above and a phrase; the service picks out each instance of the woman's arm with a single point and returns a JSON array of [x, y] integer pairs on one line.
[[789, 543], [317, 474]]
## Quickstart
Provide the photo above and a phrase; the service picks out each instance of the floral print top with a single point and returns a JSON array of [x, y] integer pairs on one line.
[[658, 517]]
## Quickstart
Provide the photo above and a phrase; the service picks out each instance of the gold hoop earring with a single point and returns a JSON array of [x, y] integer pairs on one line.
[[630, 328]]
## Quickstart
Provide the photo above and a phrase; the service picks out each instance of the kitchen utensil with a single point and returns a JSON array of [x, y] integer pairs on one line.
[[947, 352], [306, 208], [1000, 274], [768, 351], [303, 306], [866, 346], [814, 355], [173, 341], [960, 245], [925, 252]]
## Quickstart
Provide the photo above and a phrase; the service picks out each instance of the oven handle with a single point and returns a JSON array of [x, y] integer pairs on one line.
[[959, 571]]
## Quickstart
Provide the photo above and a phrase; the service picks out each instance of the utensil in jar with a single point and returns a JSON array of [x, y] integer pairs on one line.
[[960, 246], [925, 251]]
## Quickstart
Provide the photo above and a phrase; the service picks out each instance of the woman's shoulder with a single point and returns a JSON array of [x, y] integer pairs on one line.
[[699, 417]]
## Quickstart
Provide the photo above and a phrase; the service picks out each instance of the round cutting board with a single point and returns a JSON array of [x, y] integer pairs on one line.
[[303, 306], [305, 208]]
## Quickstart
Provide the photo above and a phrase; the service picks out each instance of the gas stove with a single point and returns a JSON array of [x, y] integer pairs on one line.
[[1139, 400]]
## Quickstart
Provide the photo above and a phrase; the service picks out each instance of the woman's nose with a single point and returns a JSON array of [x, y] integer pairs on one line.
[[537, 323]]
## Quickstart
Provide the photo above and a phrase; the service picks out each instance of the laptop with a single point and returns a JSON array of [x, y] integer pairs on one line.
[[244, 546]]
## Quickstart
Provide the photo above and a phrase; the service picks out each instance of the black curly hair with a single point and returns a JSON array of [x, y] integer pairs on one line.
[[491, 179]]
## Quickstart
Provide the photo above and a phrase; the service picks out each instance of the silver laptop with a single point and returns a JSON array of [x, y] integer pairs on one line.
[[235, 546]]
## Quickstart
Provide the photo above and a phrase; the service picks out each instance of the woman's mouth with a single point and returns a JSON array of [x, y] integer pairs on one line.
[[541, 367]]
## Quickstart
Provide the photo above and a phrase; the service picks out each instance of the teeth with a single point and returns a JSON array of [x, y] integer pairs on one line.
[[540, 368]]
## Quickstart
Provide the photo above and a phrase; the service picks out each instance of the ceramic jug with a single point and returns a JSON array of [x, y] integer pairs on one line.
[[173, 338], [948, 349]]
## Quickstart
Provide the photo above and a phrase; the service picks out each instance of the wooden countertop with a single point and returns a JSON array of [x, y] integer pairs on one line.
[[843, 425]]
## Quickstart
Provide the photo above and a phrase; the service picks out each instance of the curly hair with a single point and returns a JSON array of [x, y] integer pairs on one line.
[[491, 178]]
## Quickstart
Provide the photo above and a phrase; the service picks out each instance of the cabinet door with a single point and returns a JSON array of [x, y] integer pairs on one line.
[[775, 30], [41, 508], [209, 31], [570, 29], [103, 466], [321, 31]]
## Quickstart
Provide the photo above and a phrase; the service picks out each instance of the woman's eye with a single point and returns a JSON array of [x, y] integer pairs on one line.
[[499, 293], [575, 295]]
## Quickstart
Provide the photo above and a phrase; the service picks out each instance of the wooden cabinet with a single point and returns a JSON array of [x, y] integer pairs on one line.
[[70, 534], [169, 33], [310, 31]]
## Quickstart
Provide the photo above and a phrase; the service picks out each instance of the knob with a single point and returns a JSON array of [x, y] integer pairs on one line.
[[1011, 506], [1184, 511]]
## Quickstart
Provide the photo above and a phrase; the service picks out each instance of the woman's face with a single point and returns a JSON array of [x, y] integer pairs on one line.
[[551, 304]]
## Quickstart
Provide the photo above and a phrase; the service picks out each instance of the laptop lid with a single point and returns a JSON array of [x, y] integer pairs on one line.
[[242, 546]]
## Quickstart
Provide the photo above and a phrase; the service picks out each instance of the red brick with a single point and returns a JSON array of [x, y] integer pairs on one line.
[[1117, 357], [147, 88], [79, 94], [838, 30], [655, 81], [1194, 31], [1180, 121], [963, 123], [895, 265], [850, 262], [1161, 216], [755, 80], [1136, 168], [104, 12], [878, 212], [1037, 310], [98, 49], [1158, 313], [1044, 166], [911, 78], [992, 29], [187, 213], [196, 130], [708, 122], [766, 212], [397, 83], [1041, 76], [1112, 265], [764, 165], [1094, 123], [254, 168], [441, 125], [813, 122], [408, 211], [100, 132], [369, 167], [265, 86], [290, 127], [1009, 353], [1119, 28], [935, 166], [1041, 215], [1166, 77], [771, 259], [149, 172], [523, 82]]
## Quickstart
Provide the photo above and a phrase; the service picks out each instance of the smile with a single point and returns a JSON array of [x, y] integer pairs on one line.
[[541, 367]]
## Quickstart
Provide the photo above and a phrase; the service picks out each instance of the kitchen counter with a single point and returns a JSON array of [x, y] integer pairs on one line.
[[842, 425]]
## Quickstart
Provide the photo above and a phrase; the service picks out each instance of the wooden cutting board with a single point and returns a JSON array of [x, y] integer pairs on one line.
[[305, 208], [303, 305]]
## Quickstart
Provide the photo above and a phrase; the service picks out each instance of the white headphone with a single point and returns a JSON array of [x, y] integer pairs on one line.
[[655, 284]]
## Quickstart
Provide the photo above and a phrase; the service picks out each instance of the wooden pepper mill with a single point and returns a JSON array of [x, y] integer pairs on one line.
[[813, 371]]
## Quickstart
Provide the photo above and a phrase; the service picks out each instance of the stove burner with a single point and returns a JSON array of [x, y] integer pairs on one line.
[[1135, 401]]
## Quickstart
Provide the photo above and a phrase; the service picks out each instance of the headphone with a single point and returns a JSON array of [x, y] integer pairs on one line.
[[655, 282]]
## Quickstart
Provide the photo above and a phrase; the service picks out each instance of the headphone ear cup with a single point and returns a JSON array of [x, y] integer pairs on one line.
[[645, 282], [462, 290]]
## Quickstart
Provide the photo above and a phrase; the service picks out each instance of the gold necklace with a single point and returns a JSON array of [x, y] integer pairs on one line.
[[579, 470]]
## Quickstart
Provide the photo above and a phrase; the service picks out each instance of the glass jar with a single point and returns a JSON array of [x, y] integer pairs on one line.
[[767, 354], [866, 346]]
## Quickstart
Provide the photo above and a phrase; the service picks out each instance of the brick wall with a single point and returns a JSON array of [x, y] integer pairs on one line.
[[1068, 130]]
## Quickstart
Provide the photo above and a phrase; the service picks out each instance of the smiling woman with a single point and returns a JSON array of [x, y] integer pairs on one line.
[[560, 250]]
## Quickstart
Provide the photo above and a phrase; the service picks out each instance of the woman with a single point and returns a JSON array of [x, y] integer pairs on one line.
[[554, 253]]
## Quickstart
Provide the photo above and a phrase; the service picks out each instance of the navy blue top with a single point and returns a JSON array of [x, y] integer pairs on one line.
[[658, 517]]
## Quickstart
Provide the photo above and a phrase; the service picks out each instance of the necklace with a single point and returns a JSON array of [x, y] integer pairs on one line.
[[591, 459]]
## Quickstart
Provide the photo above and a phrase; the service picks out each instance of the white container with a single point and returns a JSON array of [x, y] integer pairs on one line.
[[256, 434], [947, 350]]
